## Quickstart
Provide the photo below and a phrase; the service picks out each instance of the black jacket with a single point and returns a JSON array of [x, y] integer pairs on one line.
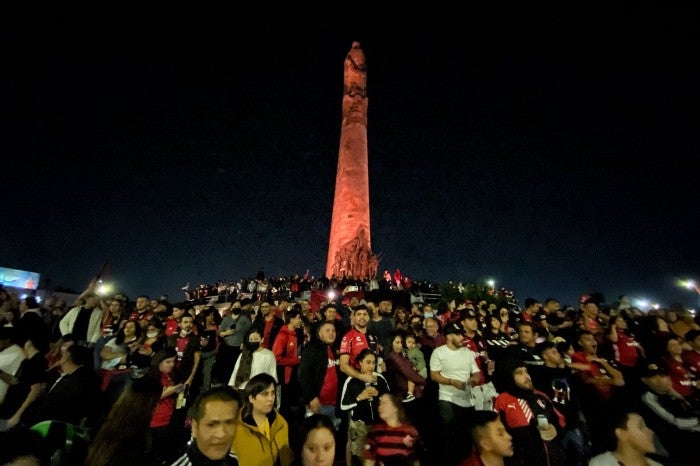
[[313, 368]]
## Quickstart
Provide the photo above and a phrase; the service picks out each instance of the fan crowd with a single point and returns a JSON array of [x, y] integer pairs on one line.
[[253, 380]]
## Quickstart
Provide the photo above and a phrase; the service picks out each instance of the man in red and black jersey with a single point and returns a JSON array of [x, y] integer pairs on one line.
[[355, 340]]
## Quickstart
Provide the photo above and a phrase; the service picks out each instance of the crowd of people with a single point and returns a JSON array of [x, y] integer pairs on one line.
[[261, 381]]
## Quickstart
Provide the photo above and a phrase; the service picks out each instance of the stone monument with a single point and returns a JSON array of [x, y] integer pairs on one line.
[[349, 249]]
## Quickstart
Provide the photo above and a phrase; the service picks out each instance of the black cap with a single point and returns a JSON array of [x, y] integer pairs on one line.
[[455, 329], [467, 314], [654, 368]]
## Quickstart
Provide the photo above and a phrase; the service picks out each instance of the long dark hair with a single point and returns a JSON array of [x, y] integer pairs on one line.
[[120, 334], [246, 356], [127, 424]]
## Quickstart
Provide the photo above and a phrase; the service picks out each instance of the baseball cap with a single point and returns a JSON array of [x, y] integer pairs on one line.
[[654, 368], [467, 314], [455, 329]]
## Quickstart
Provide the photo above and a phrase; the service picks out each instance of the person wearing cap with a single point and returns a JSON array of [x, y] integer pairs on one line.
[[529, 416], [673, 419], [454, 368], [483, 391], [557, 380]]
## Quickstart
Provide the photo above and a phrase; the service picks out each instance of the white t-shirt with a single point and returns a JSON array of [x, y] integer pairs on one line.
[[608, 459], [457, 364]]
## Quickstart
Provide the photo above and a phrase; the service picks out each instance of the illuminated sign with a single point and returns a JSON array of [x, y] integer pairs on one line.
[[19, 278]]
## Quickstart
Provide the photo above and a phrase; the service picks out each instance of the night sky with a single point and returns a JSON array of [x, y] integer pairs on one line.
[[555, 153]]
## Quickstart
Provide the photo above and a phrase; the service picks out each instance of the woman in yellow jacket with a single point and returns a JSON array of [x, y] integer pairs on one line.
[[262, 435]]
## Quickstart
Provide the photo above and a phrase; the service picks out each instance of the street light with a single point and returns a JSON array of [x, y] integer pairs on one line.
[[691, 285], [492, 284]]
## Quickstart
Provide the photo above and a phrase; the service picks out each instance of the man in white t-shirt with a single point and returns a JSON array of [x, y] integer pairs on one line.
[[454, 368]]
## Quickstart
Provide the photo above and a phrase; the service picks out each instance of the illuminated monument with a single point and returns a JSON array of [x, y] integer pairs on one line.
[[349, 248]]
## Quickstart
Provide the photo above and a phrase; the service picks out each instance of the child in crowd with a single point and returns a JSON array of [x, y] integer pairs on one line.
[[415, 355]]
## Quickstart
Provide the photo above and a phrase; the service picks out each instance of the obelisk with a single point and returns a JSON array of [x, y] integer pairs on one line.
[[349, 248]]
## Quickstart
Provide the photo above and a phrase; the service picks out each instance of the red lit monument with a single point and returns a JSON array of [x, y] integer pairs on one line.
[[349, 248]]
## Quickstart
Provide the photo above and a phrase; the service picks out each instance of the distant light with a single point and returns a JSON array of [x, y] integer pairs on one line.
[[23, 296], [103, 289], [331, 295], [656, 306], [491, 283], [642, 303]]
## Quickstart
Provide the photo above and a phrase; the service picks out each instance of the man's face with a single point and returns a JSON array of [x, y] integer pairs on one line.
[[142, 304], [186, 323], [522, 378], [454, 339], [214, 432], [552, 357], [431, 327], [385, 307], [497, 440], [266, 309], [327, 333], [91, 302], [588, 343], [526, 335], [659, 383], [551, 306], [471, 324], [295, 322], [177, 313], [361, 318]]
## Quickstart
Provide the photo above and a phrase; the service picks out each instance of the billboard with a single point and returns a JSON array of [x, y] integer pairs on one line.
[[19, 278]]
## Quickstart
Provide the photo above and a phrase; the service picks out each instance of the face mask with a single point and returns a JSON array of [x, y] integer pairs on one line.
[[254, 346], [152, 334], [428, 314]]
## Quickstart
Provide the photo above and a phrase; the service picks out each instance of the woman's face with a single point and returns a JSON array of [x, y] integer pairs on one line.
[[130, 329], [319, 448], [495, 323], [397, 344], [166, 365], [400, 314], [368, 364], [264, 401]]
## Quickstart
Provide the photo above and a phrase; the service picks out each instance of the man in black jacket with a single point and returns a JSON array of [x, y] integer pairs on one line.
[[318, 373]]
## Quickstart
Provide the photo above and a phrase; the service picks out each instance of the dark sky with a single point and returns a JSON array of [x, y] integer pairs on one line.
[[554, 152]]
